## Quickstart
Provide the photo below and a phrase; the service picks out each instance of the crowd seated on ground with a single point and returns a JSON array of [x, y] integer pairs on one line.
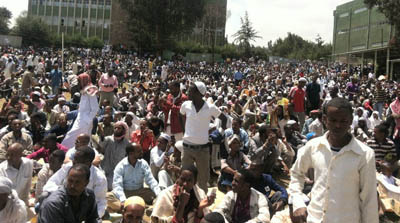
[[203, 143]]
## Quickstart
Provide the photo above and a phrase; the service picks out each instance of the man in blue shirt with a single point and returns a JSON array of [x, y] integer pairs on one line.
[[264, 183], [238, 77], [238, 130], [56, 79], [129, 175]]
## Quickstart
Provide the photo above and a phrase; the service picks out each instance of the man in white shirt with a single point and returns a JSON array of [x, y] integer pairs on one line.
[[158, 157], [198, 114], [344, 170], [19, 170], [97, 181]]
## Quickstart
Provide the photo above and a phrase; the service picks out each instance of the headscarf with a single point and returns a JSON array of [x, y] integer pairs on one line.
[[15, 209], [5, 185], [84, 80], [86, 84], [374, 122], [126, 130]]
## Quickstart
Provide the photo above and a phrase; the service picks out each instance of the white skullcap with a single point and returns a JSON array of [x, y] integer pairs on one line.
[[134, 200], [130, 114], [61, 99], [302, 79], [165, 136], [232, 139], [179, 145], [201, 87], [36, 93], [5, 185], [77, 94], [291, 122]]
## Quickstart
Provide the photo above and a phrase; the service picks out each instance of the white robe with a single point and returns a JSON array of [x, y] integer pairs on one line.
[[88, 108]]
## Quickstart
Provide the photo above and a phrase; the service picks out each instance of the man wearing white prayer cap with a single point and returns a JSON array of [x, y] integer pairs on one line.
[[158, 157], [12, 209], [198, 115]]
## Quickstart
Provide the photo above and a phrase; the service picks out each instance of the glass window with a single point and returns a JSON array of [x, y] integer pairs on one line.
[[344, 15], [360, 10]]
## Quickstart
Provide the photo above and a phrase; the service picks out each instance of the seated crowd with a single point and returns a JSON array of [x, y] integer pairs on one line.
[[189, 148]]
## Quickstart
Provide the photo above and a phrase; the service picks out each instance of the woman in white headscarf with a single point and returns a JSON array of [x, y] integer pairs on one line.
[[12, 209], [88, 108], [374, 120]]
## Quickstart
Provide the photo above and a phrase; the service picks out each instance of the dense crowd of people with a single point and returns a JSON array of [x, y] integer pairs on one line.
[[104, 133]]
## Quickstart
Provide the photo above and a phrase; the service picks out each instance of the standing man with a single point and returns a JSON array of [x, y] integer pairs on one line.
[[313, 91], [171, 107], [56, 79], [72, 202], [196, 138], [297, 98], [27, 81], [379, 98], [344, 169]]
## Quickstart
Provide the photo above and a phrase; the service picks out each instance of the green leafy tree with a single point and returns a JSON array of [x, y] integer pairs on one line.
[[246, 34], [33, 30], [295, 47], [153, 24], [5, 16]]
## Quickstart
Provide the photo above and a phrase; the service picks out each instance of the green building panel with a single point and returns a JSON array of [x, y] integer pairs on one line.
[[41, 10], [377, 17], [71, 12], [64, 11], [48, 11], [100, 14], [358, 38], [34, 10], [93, 13], [365, 23], [85, 13], [107, 14], [359, 19], [343, 23], [341, 45], [78, 12], [106, 34]]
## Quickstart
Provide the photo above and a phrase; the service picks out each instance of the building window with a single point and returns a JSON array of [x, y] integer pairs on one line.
[[358, 47], [379, 44], [343, 31], [359, 28], [360, 10], [344, 15]]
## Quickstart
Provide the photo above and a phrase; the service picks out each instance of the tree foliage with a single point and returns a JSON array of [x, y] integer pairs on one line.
[[391, 9], [246, 34], [33, 30], [5, 16], [295, 47], [154, 23]]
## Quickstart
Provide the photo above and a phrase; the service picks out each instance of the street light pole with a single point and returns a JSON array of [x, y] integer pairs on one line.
[[62, 51]]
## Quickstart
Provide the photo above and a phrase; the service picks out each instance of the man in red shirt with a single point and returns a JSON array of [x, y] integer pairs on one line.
[[171, 107], [297, 98], [144, 137]]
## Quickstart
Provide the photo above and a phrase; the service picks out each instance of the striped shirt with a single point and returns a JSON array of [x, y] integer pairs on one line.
[[380, 95], [385, 150]]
